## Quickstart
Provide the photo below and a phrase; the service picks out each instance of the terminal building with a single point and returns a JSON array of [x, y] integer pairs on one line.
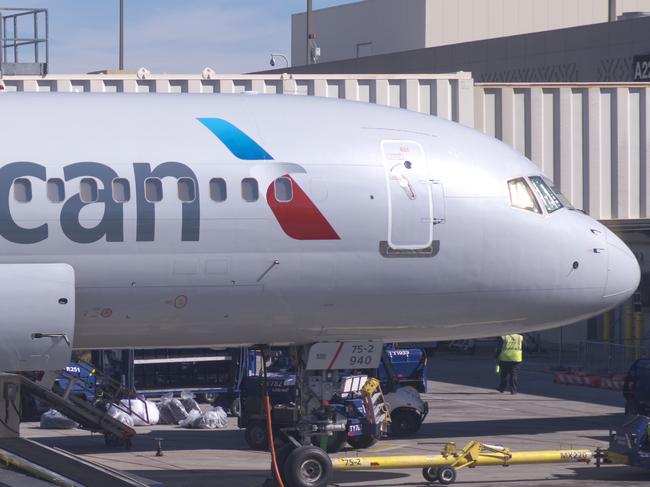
[[496, 40]]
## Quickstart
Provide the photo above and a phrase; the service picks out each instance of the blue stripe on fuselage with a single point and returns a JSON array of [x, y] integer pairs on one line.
[[237, 142]]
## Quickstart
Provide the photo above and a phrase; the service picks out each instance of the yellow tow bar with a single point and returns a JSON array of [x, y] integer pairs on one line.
[[443, 467]]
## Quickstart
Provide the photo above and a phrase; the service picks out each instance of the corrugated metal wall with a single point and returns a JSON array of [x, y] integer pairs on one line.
[[592, 140], [447, 96]]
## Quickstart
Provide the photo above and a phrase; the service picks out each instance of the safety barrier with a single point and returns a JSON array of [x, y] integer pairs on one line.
[[612, 382]]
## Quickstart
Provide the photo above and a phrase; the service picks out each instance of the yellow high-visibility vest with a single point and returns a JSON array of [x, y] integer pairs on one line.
[[511, 351]]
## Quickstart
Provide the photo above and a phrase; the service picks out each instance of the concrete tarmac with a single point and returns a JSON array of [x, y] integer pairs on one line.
[[464, 405]]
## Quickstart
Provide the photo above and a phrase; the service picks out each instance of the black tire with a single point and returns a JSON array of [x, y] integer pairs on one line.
[[363, 441], [308, 466], [334, 443], [430, 474], [631, 408], [404, 422], [256, 435], [446, 475], [235, 407]]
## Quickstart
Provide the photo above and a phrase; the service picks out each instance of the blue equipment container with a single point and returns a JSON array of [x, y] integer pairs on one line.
[[83, 378], [409, 368], [636, 388]]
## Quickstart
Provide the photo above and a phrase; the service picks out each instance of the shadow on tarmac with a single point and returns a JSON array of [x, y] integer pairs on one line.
[[617, 474], [536, 377], [514, 426], [181, 439], [254, 478]]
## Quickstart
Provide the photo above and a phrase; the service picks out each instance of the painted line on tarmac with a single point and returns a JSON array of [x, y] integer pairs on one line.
[[483, 405]]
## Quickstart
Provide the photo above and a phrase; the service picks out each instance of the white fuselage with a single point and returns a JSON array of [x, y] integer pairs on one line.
[[461, 261]]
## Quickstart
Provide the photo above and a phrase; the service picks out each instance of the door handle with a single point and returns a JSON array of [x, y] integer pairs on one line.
[[52, 335]]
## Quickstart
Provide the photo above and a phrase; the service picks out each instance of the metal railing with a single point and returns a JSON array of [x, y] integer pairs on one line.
[[15, 27], [606, 358]]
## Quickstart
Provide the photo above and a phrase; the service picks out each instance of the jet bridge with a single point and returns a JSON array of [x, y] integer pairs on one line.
[[24, 41]]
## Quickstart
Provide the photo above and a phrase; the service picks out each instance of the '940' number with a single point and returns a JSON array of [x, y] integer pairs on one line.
[[357, 360]]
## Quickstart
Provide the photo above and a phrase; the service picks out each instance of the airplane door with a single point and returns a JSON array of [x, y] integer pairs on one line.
[[37, 318], [410, 208]]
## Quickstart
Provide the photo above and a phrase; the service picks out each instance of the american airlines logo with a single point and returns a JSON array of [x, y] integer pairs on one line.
[[298, 217]]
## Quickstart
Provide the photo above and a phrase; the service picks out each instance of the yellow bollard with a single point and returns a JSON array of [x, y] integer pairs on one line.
[[638, 333], [607, 323], [629, 316]]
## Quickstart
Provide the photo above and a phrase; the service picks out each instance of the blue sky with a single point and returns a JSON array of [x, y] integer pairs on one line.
[[169, 36]]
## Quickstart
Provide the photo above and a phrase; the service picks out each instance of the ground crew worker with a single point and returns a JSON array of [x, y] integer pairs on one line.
[[509, 357]]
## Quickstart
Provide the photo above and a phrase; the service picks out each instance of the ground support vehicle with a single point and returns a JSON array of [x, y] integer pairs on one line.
[[82, 394], [403, 376], [630, 444], [355, 414], [636, 388]]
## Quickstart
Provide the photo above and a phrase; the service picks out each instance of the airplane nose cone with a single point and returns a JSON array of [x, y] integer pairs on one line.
[[623, 272]]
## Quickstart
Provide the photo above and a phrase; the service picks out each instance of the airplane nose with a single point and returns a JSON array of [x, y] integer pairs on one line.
[[623, 272]]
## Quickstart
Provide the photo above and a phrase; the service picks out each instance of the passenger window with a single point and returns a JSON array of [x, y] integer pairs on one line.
[[521, 196], [22, 190], [249, 190], [218, 190], [153, 191], [121, 190], [186, 190], [549, 198], [88, 191], [55, 190], [283, 189]]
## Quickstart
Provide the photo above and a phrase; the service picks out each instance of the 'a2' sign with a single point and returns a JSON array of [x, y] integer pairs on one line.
[[641, 66]]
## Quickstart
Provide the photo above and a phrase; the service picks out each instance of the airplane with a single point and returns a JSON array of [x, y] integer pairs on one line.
[[134, 221]]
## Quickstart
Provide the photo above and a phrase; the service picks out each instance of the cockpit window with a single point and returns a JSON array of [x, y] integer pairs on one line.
[[521, 196], [549, 197], [563, 199]]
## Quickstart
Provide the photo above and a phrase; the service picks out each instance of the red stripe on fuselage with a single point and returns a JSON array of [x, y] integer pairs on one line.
[[300, 218]]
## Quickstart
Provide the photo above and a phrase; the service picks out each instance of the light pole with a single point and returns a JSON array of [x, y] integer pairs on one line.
[[309, 12], [281, 56], [121, 35]]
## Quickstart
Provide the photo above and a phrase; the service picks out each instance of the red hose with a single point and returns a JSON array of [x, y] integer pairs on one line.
[[269, 427]]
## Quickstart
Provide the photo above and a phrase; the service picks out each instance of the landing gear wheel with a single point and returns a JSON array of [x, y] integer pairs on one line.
[[446, 475], [430, 474], [256, 435], [334, 443], [308, 466], [363, 441], [404, 422]]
